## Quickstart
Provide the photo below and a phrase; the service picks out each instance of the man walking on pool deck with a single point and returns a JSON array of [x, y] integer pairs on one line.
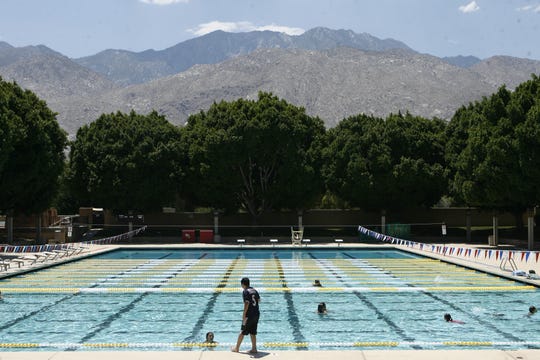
[[250, 316]]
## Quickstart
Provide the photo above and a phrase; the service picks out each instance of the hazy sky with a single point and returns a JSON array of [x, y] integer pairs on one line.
[[79, 28]]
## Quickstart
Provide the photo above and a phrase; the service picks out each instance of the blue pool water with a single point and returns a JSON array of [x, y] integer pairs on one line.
[[169, 299]]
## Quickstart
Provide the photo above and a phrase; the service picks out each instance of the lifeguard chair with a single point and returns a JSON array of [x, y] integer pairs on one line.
[[297, 236]]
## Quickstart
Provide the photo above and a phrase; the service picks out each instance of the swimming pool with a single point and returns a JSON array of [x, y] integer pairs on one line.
[[168, 299]]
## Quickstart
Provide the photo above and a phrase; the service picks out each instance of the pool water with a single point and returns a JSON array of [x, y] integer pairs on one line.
[[169, 299]]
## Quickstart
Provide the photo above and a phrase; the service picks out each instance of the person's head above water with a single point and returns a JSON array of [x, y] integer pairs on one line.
[[447, 317], [321, 308]]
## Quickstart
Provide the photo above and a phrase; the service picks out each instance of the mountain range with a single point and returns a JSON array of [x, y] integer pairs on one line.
[[126, 68], [333, 74]]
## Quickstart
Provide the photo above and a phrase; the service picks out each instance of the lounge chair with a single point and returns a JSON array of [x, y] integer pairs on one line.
[[51, 255], [80, 249], [18, 261], [4, 264], [35, 258], [43, 256], [62, 253], [31, 258]]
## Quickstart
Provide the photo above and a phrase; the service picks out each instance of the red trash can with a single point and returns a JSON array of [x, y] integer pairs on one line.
[[206, 236]]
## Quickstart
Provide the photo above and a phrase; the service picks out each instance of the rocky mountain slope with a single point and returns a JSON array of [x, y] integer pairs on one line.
[[462, 61], [125, 67], [333, 83], [507, 70], [49, 72]]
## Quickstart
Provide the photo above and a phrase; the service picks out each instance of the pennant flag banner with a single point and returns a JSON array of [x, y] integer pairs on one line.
[[52, 247], [444, 250]]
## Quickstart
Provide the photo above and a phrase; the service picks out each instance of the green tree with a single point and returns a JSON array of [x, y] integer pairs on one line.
[[390, 164], [126, 162], [31, 151], [255, 155], [494, 149]]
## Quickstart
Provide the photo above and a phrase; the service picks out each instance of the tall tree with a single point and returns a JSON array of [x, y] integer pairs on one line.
[[126, 162], [255, 155], [494, 149], [31, 151], [390, 164]]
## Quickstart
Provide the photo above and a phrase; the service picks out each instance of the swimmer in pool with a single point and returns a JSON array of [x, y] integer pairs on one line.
[[448, 318], [321, 308], [210, 342], [209, 338]]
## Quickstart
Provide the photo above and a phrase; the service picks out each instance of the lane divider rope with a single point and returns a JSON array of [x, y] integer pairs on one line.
[[273, 289], [271, 345]]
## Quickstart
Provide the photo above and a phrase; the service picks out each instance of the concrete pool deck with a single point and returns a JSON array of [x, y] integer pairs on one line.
[[480, 264], [280, 355]]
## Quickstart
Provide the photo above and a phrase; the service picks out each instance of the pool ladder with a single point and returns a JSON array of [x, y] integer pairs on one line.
[[504, 261]]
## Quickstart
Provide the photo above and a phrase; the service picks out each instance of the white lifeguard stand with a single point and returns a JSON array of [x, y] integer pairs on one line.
[[297, 236]]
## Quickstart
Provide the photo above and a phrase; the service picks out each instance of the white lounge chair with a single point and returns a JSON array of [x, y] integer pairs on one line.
[[62, 253], [34, 258], [51, 255], [75, 250], [31, 258], [4, 264]]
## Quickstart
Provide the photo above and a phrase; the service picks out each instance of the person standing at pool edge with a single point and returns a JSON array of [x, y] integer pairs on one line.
[[250, 316]]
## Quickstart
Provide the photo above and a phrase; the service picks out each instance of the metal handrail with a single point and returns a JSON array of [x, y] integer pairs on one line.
[[506, 260]]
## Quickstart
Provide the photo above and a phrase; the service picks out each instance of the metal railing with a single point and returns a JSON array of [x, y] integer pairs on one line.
[[505, 261]]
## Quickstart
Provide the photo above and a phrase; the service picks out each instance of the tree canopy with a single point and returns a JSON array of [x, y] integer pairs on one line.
[[494, 149], [383, 164], [126, 162], [255, 155], [266, 154], [31, 151]]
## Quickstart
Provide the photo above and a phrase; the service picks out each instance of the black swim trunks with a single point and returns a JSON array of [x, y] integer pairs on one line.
[[251, 326]]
